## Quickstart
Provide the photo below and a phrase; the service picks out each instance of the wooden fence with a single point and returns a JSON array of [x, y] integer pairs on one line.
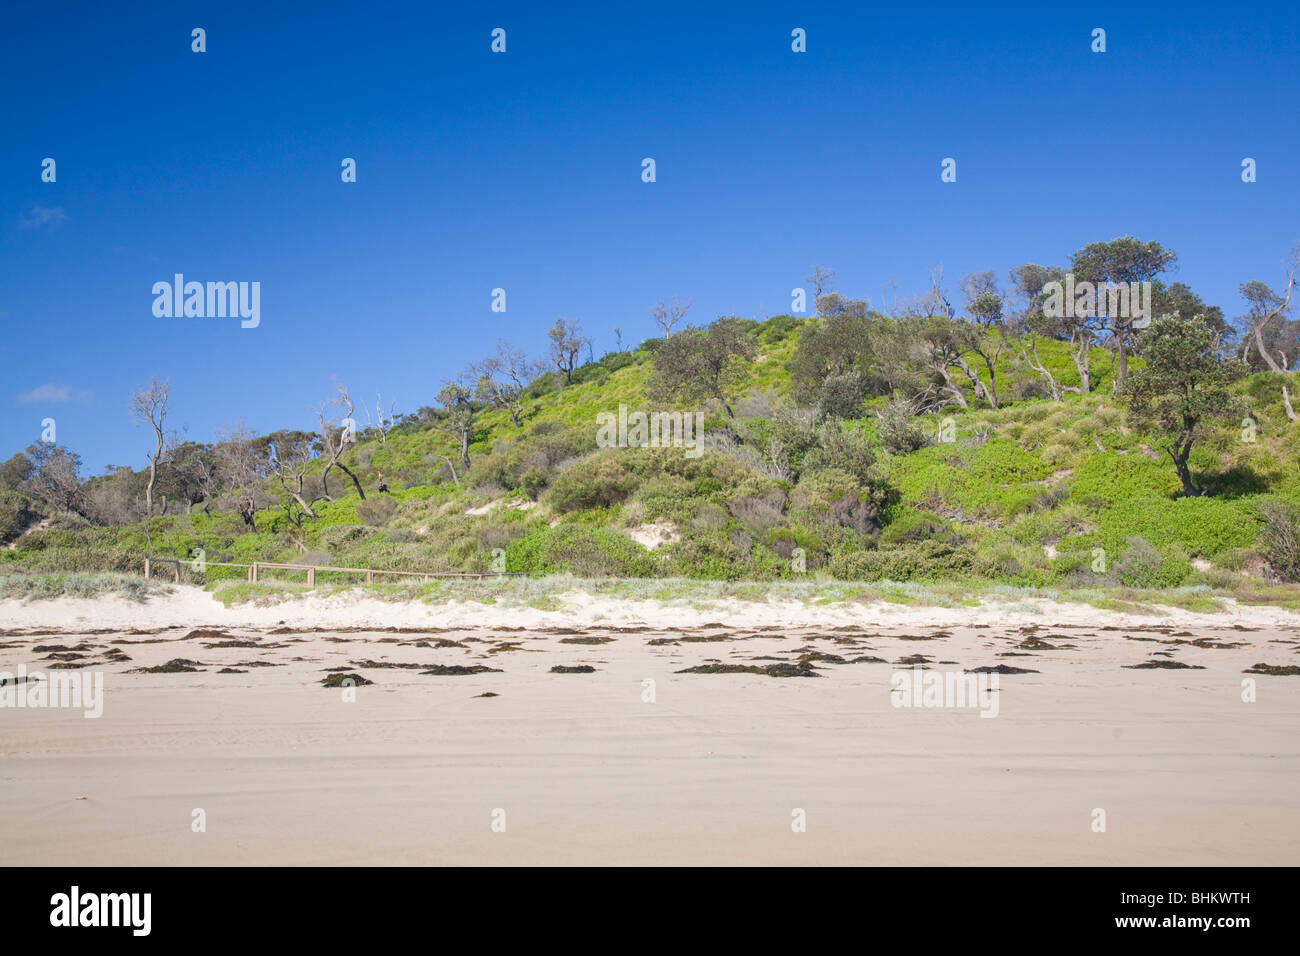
[[198, 564]]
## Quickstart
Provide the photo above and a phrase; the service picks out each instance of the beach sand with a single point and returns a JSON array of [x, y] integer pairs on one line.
[[584, 768]]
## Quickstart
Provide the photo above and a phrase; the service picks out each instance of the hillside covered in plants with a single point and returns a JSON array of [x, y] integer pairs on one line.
[[912, 441]]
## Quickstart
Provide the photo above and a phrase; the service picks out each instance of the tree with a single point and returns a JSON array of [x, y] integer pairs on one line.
[[983, 302], [834, 304], [242, 465], [1265, 307], [704, 363], [1183, 386], [1269, 330], [458, 415], [383, 421], [985, 309], [1179, 299], [14, 472], [820, 279], [939, 346], [936, 302], [290, 452], [501, 379], [54, 479], [832, 347], [567, 343], [337, 431], [190, 477], [149, 407], [1027, 284], [667, 316], [1122, 261], [114, 497]]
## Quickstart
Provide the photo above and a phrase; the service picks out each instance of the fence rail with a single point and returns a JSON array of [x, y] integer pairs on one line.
[[198, 564]]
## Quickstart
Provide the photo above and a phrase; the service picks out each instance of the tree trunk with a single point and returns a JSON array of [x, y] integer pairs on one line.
[[324, 483], [1180, 453], [356, 484], [1082, 355], [452, 468]]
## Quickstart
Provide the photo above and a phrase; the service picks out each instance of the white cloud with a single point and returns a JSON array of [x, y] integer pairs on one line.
[[39, 216], [52, 393]]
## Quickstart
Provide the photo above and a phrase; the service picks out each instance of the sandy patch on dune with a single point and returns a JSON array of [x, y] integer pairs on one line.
[[192, 606]]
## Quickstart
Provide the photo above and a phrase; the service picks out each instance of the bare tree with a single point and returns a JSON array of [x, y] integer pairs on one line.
[[337, 431], [936, 301], [819, 279], [667, 316], [975, 284], [290, 453], [383, 421], [501, 379], [1267, 305], [567, 343], [149, 407], [242, 466]]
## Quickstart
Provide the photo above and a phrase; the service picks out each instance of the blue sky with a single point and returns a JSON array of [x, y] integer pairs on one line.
[[478, 170]]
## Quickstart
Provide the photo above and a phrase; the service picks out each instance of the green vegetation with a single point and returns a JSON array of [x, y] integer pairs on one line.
[[932, 455]]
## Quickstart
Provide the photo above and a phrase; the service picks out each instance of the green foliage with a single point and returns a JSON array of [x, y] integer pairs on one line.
[[1142, 566], [17, 511], [597, 481], [916, 561], [581, 550], [898, 428]]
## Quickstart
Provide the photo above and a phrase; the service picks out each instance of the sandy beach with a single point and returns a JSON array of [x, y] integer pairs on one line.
[[634, 761]]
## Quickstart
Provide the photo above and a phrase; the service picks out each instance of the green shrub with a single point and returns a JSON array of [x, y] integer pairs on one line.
[[17, 511], [594, 482], [581, 550], [1279, 539], [898, 428], [1142, 566], [918, 561]]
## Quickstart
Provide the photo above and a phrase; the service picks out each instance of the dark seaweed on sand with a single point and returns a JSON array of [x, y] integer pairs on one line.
[[803, 669], [1164, 665], [1277, 670], [456, 670], [575, 669], [345, 680], [177, 665], [1000, 669]]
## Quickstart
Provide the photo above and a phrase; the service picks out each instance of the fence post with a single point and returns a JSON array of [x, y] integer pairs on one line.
[[252, 573], [311, 577], [370, 577], [176, 573], [146, 568]]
